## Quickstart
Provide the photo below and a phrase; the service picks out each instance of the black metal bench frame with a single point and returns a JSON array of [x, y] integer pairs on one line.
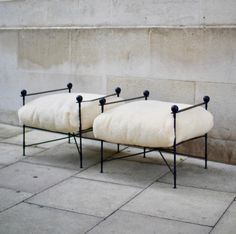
[[173, 149], [79, 100]]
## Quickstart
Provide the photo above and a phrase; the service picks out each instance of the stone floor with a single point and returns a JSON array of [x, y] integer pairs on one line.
[[47, 192]]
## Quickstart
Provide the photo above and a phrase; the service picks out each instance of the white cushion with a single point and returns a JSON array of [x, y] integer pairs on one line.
[[150, 124], [59, 112]]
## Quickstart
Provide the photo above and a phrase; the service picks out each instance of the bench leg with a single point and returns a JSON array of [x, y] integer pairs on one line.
[[23, 140], [68, 138], [174, 174], [101, 156], [206, 151], [79, 151], [144, 152], [118, 148]]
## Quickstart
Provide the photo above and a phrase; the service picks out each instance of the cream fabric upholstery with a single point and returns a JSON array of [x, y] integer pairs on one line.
[[150, 124], [59, 112]]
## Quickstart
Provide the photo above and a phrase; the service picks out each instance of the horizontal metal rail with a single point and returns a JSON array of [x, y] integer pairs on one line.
[[97, 99], [48, 91], [191, 107], [124, 100]]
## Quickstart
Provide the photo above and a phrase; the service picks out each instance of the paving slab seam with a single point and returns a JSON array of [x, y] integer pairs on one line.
[[222, 215], [156, 216], [190, 186], [141, 191], [49, 165], [107, 182], [34, 194], [56, 208]]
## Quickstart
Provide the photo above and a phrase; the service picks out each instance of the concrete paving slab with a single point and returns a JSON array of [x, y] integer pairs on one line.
[[65, 156], [125, 172], [86, 196], [36, 136], [185, 204], [31, 178], [129, 223], [27, 218], [218, 176], [7, 131], [11, 153], [10, 198], [228, 222], [152, 157]]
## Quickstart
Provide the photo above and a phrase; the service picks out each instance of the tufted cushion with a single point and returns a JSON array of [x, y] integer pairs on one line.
[[150, 124], [59, 112]]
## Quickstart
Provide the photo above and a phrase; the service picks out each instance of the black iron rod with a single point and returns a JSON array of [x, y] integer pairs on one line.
[[44, 142], [130, 155], [96, 99], [101, 156], [191, 107], [124, 100], [81, 165], [167, 164], [48, 91]]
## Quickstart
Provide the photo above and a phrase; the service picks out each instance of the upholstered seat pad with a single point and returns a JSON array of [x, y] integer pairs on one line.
[[150, 124], [59, 112]]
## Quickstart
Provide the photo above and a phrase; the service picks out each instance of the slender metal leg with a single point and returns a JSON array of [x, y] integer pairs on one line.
[[23, 140], [69, 138], [101, 156], [206, 151], [144, 152], [118, 148], [174, 164], [79, 151]]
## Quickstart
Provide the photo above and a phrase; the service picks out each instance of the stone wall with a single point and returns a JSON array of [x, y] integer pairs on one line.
[[180, 50]]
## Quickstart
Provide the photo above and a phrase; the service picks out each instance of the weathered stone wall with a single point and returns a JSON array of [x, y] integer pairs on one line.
[[180, 50]]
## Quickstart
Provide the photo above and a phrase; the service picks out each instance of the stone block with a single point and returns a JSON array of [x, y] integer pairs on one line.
[[185, 204], [164, 90], [155, 12], [44, 50], [27, 218], [218, 150], [86, 196], [222, 105], [215, 12], [193, 54], [129, 223]]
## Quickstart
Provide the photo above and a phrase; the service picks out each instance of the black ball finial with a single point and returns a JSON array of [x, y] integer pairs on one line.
[[118, 90], [102, 101], [146, 93], [175, 109], [23, 93], [206, 99], [79, 99], [69, 85]]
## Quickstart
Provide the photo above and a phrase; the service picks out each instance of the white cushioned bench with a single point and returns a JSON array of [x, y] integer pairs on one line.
[[59, 112], [71, 114], [153, 126], [150, 124]]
